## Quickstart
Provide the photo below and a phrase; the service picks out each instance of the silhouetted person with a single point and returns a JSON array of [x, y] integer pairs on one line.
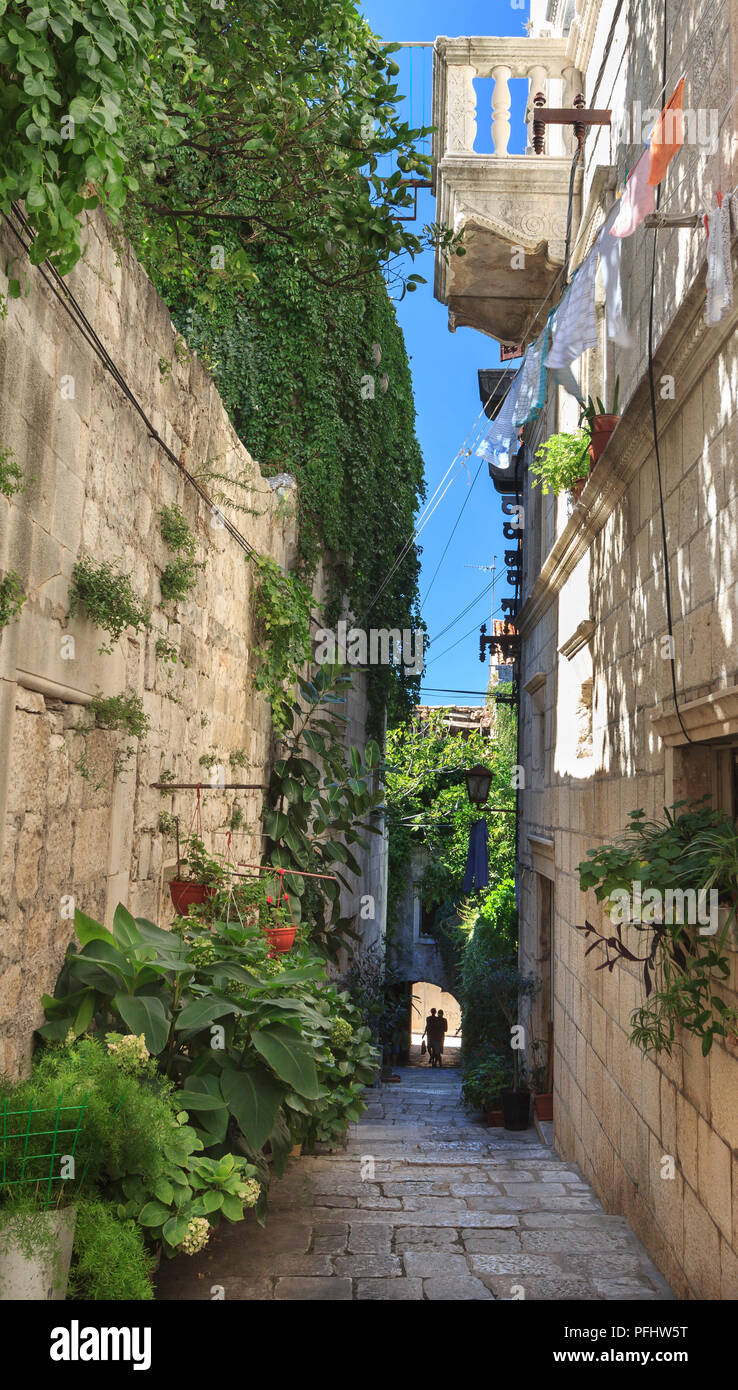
[[434, 1030], [442, 1026], [430, 1024]]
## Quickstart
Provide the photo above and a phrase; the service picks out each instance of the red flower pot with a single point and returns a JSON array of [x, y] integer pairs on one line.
[[495, 1118], [185, 894], [578, 487], [543, 1106], [280, 938], [602, 428]]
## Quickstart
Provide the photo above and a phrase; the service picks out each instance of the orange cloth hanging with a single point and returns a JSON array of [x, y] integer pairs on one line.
[[667, 136]]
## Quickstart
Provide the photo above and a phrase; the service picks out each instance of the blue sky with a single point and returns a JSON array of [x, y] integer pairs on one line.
[[444, 367]]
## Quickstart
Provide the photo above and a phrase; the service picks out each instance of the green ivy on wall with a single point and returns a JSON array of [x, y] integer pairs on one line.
[[296, 368]]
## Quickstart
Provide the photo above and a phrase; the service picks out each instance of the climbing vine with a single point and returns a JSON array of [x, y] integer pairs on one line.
[[282, 611], [350, 444]]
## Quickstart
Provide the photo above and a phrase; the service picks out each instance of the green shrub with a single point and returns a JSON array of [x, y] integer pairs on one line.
[[110, 1261], [561, 461], [179, 579], [11, 474], [108, 598], [12, 598], [121, 712], [176, 531]]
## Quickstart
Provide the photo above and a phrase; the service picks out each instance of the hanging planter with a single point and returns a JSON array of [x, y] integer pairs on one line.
[[280, 933], [186, 894], [202, 877], [269, 906]]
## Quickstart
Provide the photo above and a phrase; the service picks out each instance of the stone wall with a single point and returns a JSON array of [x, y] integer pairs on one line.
[[76, 829], [619, 1113]]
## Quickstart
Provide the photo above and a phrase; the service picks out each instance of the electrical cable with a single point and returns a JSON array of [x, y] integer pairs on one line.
[[462, 509], [461, 639], [72, 307], [463, 613], [462, 453]]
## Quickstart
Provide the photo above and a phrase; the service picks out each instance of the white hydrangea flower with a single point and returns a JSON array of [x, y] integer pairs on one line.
[[249, 1192], [130, 1050], [198, 1235]]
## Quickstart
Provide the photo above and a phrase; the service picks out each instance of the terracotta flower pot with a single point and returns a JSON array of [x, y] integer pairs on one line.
[[578, 487], [602, 428], [185, 894], [495, 1119], [280, 938], [543, 1106]]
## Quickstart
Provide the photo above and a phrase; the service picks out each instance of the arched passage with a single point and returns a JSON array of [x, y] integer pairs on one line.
[[424, 996]]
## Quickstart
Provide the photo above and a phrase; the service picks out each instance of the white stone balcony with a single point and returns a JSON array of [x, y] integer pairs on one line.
[[507, 203]]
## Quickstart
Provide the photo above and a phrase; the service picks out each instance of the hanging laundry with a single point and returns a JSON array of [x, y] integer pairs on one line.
[[637, 201], [667, 136], [609, 249], [477, 860], [574, 327], [719, 267], [531, 394], [565, 378], [495, 447]]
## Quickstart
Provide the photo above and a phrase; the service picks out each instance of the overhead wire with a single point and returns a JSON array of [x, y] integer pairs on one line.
[[461, 511], [477, 599]]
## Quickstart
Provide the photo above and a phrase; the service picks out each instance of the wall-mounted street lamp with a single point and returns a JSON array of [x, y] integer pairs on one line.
[[478, 783]]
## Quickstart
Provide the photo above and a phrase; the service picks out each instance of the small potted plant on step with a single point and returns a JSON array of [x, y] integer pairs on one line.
[[511, 988], [482, 1087]]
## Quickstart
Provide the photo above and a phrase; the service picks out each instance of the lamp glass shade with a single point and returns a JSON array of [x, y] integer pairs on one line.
[[478, 782]]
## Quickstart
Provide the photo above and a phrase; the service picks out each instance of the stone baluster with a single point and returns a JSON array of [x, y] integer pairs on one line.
[[571, 87], [461, 109], [501, 109], [538, 78]]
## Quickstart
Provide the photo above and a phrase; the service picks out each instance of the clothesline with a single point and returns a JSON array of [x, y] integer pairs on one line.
[[572, 323]]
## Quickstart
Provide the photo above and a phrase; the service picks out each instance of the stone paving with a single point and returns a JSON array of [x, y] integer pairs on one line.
[[425, 1203]]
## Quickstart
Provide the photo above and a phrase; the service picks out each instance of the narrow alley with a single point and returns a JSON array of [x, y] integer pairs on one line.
[[425, 1203]]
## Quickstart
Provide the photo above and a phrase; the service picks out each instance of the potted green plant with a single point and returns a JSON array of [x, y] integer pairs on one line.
[[482, 1087], [654, 882], [600, 423], [198, 875], [259, 902], [561, 463], [511, 988]]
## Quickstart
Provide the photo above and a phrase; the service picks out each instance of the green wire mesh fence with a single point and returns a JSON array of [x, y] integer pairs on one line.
[[33, 1144]]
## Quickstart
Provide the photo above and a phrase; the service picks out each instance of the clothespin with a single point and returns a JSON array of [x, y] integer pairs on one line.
[[719, 197]]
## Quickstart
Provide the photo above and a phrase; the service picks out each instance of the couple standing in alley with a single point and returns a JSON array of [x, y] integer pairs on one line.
[[435, 1031]]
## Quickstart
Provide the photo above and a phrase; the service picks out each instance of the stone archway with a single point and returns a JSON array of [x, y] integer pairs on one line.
[[425, 995]]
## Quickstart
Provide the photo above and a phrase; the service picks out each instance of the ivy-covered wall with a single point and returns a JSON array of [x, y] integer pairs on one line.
[[296, 365]]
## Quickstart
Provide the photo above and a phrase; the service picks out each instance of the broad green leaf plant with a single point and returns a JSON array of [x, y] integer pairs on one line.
[[240, 1035]]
